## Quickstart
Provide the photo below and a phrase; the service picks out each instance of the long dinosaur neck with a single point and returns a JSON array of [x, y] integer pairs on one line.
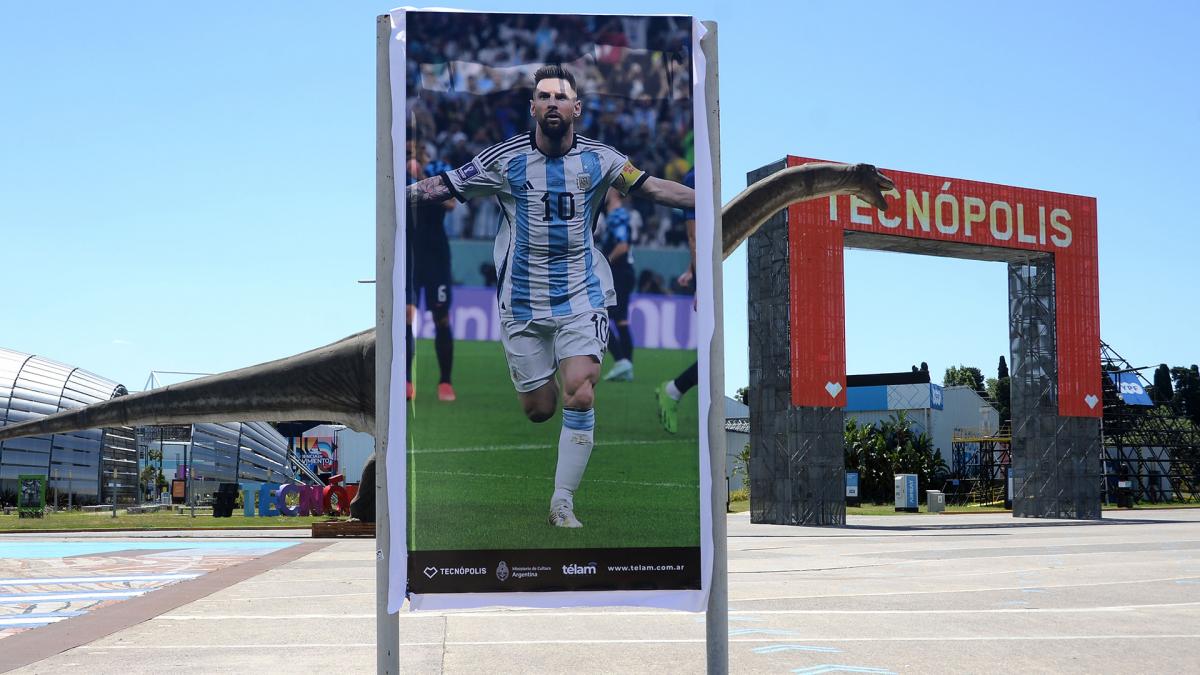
[[335, 382], [745, 213]]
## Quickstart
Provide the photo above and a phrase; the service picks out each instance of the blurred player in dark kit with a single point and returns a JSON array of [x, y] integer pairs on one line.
[[616, 247], [429, 270]]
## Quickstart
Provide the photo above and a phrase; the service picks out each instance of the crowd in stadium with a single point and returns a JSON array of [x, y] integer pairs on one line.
[[470, 86]]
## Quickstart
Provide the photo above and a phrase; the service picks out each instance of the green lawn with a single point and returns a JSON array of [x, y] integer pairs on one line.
[[481, 474], [74, 520], [743, 505]]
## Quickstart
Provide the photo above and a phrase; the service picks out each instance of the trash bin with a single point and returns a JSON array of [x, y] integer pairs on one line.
[[852, 497], [224, 500], [935, 501], [1125, 494]]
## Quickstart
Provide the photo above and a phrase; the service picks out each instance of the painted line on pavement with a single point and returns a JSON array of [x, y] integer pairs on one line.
[[28, 622], [95, 580], [841, 668], [296, 596], [517, 643], [54, 597], [960, 590], [775, 649], [782, 612]]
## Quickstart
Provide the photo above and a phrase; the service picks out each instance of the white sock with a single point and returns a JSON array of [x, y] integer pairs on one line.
[[574, 449], [673, 391]]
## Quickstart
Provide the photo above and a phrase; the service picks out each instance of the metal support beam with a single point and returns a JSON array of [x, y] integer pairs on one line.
[[387, 626], [717, 615]]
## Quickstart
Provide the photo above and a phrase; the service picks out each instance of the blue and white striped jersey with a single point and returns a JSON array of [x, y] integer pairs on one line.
[[547, 263]]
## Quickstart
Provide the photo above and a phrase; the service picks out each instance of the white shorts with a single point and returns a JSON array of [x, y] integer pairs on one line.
[[534, 348]]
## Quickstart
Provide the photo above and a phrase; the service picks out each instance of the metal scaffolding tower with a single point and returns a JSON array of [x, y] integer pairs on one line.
[[1055, 459], [1150, 447]]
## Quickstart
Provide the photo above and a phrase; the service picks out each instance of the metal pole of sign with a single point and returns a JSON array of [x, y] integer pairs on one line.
[[387, 626], [188, 451], [717, 616]]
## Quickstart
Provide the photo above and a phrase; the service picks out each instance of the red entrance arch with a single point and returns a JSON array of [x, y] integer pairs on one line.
[[949, 217], [798, 346]]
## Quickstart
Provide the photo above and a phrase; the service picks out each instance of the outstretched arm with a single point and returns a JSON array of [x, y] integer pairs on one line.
[[668, 193], [619, 250], [432, 189]]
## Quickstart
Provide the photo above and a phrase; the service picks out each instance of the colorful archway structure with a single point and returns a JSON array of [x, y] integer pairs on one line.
[[798, 346]]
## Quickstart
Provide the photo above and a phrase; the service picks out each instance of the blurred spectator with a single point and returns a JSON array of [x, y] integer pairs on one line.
[[650, 281], [469, 77], [488, 272]]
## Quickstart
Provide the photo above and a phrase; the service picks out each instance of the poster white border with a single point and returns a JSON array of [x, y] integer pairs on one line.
[[396, 457]]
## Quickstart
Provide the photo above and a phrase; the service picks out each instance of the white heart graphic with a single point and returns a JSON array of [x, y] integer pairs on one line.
[[1091, 400], [431, 572], [833, 388]]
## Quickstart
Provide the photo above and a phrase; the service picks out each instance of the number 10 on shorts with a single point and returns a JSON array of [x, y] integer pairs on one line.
[[600, 323]]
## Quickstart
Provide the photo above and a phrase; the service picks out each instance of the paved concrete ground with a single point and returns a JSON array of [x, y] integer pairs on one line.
[[903, 594]]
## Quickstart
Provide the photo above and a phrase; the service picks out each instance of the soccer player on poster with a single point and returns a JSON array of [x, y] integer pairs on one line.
[[554, 286], [615, 244], [670, 392], [429, 272]]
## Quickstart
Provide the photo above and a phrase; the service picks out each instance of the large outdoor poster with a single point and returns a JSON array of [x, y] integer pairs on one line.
[[562, 464], [318, 453]]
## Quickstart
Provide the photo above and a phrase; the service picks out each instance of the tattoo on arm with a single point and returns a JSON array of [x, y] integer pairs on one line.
[[428, 190]]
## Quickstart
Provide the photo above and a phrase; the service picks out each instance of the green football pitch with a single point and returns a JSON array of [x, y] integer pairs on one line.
[[481, 474]]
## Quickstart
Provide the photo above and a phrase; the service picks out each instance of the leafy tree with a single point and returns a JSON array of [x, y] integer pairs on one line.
[[999, 391], [1163, 391], [879, 452], [743, 395], [966, 376], [152, 475], [741, 466], [1186, 401]]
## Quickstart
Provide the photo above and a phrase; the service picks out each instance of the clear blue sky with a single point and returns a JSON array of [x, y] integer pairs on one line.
[[191, 186]]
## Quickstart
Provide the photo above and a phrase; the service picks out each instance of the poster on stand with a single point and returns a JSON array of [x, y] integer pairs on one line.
[[538, 454]]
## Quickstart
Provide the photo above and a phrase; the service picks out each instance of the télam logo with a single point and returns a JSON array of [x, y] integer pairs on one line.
[[575, 569]]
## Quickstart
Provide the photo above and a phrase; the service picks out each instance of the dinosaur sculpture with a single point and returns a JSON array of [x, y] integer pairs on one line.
[[337, 381]]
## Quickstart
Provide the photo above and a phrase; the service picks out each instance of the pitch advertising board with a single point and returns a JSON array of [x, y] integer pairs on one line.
[[562, 463]]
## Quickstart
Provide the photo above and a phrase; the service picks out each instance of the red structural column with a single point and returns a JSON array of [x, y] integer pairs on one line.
[[818, 306]]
